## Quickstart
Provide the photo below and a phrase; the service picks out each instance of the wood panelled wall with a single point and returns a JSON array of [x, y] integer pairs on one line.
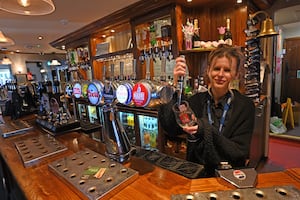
[[209, 19]]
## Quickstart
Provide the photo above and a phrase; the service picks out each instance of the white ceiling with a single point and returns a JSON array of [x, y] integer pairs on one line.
[[69, 16], [288, 18]]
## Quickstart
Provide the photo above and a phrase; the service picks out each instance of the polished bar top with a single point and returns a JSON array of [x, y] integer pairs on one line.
[[37, 182]]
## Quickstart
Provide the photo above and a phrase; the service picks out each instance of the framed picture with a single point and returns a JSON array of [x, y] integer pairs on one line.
[[21, 78], [298, 73]]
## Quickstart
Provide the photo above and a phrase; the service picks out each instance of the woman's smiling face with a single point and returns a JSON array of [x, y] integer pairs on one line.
[[221, 72]]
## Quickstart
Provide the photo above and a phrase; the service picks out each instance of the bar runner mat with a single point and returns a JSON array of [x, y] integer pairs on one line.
[[183, 167]]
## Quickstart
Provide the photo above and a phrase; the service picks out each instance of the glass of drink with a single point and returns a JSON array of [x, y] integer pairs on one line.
[[184, 114]]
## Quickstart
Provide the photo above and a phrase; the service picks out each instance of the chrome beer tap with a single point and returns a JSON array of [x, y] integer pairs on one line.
[[115, 138]]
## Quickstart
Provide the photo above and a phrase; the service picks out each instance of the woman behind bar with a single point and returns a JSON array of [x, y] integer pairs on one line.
[[215, 139]]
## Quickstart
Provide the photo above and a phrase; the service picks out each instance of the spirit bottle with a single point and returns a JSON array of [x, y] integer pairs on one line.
[[228, 34], [196, 36]]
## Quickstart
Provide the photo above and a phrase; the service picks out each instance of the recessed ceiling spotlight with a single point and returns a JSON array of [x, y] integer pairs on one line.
[[63, 47], [17, 50], [40, 37], [104, 36], [112, 30], [239, 1], [189, 0]]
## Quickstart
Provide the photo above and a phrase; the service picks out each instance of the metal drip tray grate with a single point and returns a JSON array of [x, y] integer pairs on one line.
[[270, 193], [93, 175], [183, 167], [14, 128], [33, 149]]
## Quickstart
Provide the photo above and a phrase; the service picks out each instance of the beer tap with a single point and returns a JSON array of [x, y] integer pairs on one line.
[[180, 87], [133, 76], [163, 69], [115, 138]]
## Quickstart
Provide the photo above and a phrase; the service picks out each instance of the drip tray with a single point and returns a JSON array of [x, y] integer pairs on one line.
[[13, 128], [93, 175], [34, 149], [270, 193], [183, 167]]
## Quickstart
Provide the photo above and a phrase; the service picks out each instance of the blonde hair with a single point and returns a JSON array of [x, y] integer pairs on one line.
[[229, 52]]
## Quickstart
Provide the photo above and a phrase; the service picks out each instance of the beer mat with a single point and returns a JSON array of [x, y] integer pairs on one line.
[[183, 167], [92, 175], [15, 127], [33, 149], [53, 129], [286, 192]]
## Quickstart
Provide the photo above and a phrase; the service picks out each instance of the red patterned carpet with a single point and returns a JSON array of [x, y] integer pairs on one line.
[[283, 154]]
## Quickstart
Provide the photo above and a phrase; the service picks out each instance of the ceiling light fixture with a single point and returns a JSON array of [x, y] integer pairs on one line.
[[54, 63], [5, 41], [28, 7], [6, 61]]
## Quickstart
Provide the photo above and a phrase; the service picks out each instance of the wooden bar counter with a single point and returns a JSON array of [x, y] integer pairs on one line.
[[37, 182]]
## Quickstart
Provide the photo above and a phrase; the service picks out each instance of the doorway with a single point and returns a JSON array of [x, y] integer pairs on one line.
[[35, 69], [290, 80], [5, 74]]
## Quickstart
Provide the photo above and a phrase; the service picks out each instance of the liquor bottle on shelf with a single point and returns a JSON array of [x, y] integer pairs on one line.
[[228, 34], [166, 33], [187, 87], [196, 36], [152, 35]]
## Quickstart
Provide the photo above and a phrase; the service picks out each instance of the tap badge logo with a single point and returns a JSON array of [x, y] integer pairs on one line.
[[84, 89], [239, 174], [140, 95], [94, 96], [122, 94], [77, 90], [109, 93], [69, 90]]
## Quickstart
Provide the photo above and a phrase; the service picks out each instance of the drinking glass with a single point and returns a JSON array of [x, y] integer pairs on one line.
[[184, 114]]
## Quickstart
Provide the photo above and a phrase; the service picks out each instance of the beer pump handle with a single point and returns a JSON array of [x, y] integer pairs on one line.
[[163, 75], [103, 73], [147, 68], [180, 86], [112, 71], [179, 89], [133, 69], [121, 78]]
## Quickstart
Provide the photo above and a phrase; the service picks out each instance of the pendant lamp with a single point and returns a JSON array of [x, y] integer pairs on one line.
[[54, 63], [5, 41], [28, 7], [6, 61]]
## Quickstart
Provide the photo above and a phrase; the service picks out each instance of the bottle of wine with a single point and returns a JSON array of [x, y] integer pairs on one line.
[[196, 36], [228, 34]]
